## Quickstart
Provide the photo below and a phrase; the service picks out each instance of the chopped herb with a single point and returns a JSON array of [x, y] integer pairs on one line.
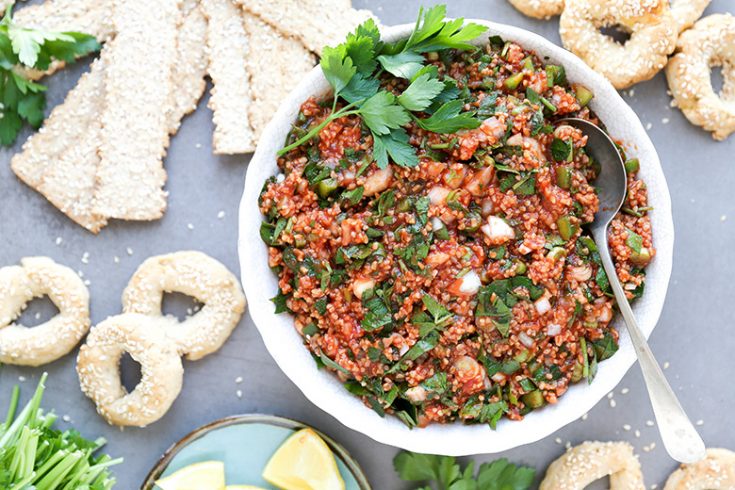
[[634, 241], [562, 151]]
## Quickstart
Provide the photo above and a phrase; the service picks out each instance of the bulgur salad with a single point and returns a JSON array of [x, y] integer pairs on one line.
[[427, 227]]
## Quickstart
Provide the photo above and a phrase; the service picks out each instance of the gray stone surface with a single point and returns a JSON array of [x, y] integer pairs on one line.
[[694, 334]]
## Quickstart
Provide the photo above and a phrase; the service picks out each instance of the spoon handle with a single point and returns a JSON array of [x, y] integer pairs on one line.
[[678, 434]]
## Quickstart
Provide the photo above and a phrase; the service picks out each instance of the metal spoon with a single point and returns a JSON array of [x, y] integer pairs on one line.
[[677, 432]]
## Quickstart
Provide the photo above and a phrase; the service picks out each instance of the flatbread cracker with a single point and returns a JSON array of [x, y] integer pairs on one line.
[[275, 67], [62, 128], [316, 23], [69, 183], [88, 16], [230, 98], [134, 134], [190, 67]]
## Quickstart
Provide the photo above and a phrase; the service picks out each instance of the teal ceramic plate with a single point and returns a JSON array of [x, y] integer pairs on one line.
[[245, 443]]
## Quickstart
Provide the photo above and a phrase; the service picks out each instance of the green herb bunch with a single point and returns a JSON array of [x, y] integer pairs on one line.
[[354, 69], [444, 473], [35, 456], [21, 48]]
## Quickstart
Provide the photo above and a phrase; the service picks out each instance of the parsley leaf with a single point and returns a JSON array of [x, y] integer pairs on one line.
[[562, 151], [422, 91], [448, 474], [447, 119], [22, 100], [381, 113], [402, 65], [432, 33], [338, 69], [396, 145]]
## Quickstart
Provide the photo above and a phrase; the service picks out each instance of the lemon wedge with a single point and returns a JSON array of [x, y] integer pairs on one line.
[[304, 462], [207, 475]]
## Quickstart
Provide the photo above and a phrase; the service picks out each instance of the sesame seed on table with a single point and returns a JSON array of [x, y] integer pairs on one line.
[[206, 191]]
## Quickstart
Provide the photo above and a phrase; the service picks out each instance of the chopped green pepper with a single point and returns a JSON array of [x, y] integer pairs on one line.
[[566, 228], [325, 187], [632, 165], [564, 177], [640, 258], [521, 267], [528, 63], [512, 82], [584, 95]]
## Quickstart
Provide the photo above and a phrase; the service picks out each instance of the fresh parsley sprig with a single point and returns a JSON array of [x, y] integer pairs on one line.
[[22, 99], [353, 69], [444, 473]]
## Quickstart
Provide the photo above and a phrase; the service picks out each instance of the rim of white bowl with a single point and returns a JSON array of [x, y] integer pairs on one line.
[[324, 389]]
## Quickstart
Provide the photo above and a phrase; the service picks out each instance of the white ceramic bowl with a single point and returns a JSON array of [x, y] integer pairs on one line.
[[324, 389]]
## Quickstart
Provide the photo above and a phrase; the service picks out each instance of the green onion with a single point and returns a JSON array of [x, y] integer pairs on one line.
[[534, 399], [586, 365], [35, 455], [548, 104]]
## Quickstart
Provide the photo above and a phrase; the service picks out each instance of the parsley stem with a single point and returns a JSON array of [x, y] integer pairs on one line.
[[345, 111]]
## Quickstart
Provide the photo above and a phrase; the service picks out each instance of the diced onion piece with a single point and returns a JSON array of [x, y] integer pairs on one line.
[[553, 329], [437, 194], [515, 140], [525, 339], [487, 207], [436, 224], [492, 126], [415, 395], [497, 230], [378, 181], [605, 314], [470, 283], [582, 272], [478, 184], [542, 304], [361, 285], [498, 377]]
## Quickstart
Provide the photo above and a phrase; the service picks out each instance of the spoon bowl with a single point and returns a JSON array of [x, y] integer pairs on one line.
[[678, 434]]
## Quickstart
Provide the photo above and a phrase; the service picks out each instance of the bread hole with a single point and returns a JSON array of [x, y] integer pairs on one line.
[[617, 33], [179, 305], [130, 374], [718, 79], [601, 484], [37, 311]]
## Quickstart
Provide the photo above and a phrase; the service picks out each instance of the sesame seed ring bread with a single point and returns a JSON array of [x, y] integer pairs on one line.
[[686, 12], [539, 9], [590, 461], [194, 274], [98, 367], [34, 278], [711, 42], [652, 31], [715, 472]]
